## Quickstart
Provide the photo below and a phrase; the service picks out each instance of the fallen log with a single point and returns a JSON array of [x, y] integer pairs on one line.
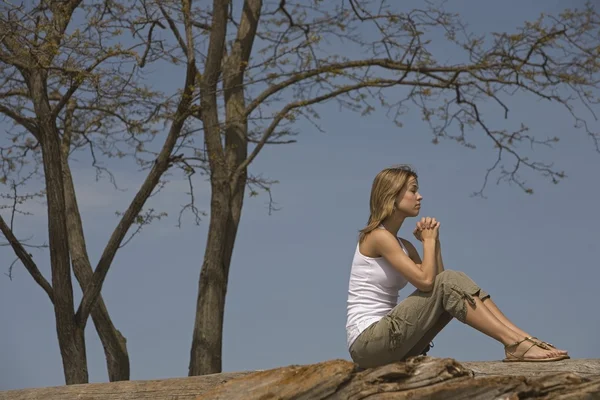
[[418, 378], [585, 367], [171, 389], [421, 377]]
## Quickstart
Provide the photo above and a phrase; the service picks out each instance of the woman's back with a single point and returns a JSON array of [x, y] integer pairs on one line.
[[372, 291]]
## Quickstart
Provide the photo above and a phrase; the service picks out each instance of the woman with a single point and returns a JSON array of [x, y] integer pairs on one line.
[[379, 329]]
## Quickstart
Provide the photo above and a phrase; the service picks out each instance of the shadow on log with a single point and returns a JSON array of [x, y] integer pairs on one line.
[[418, 378]]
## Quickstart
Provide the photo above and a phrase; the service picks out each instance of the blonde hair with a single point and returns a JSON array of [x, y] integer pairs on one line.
[[384, 192]]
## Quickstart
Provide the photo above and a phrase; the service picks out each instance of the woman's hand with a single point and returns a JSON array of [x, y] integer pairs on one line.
[[417, 233], [427, 228]]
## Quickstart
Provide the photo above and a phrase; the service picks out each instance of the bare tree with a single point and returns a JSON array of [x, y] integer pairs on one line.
[[70, 87], [264, 65], [253, 69]]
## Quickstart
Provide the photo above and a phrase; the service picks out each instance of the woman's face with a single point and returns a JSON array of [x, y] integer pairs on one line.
[[409, 199]]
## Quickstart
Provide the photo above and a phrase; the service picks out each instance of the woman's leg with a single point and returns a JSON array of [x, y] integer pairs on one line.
[[404, 332], [422, 344], [491, 306], [499, 315], [481, 318], [460, 298], [401, 332]]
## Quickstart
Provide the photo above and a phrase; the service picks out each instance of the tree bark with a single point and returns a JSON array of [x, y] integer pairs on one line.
[[114, 344], [226, 210], [227, 198], [71, 339], [205, 353], [207, 339]]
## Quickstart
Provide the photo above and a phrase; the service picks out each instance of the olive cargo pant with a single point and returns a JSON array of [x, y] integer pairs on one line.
[[409, 327]]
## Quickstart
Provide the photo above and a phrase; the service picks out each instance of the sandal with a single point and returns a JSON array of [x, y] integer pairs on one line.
[[512, 357], [553, 347]]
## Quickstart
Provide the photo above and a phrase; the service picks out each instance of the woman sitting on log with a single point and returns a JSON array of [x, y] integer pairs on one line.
[[379, 329]]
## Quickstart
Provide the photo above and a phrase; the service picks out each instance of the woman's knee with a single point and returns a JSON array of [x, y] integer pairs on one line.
[[482, 294], [453, 276], [448, 274], [456, 279]]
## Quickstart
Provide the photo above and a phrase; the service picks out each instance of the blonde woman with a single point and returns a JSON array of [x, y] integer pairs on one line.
[[380, 330]]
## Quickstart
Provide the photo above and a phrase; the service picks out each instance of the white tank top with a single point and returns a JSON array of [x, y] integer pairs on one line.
[[372, 292]]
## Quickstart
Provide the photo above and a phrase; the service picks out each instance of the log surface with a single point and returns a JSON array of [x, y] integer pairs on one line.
[[585, 367], [421, 377]]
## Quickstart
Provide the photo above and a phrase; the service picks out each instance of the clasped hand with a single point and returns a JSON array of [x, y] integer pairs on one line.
[[427, 228]]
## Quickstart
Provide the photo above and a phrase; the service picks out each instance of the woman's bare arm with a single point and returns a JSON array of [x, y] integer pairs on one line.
[[421, 276], [438, 247], [438, 256]]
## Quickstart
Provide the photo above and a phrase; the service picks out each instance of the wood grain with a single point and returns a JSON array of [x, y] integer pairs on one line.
[[421, 377]]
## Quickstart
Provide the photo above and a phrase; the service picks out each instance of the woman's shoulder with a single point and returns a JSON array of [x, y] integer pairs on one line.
[[384, 234], [379, 235], [372, 242]]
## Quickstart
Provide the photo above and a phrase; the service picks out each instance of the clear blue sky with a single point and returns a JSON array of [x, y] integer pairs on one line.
[[537, 255]]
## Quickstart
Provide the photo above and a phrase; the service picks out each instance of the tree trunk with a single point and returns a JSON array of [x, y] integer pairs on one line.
[[227, 199], [227, 183], [71, 340], [114, 344], [115, 347], [205, 357]]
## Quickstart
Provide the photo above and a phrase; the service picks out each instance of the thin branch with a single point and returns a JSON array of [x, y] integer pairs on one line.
[[10, 268], [26, 259], [174, 29], [201, 25], [303, 103], [192, 204], [78, 81], [383, 63], [161, 165], [27, 123]]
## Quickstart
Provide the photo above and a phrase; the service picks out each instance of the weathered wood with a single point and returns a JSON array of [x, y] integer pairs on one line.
[[419, 378], [168, 389], [394, 378], [560, 386], [306, 382], [585, 367]]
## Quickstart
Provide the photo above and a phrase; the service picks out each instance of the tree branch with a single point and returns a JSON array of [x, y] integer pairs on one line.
[[383, 63], [236, 127], [161, 165], [174, 29], [208, 84], [201, 25], [26, 259], [303, 103], [78, 81], [62, 14], [27, 123]]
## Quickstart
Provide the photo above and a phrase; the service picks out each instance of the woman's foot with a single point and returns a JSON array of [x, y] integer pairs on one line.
[[551, 346], [531, 350]]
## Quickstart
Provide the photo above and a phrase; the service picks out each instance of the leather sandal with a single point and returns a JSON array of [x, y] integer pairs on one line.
[[512, 357], [553, 347]]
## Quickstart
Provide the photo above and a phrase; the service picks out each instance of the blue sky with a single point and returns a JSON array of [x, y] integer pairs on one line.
[[537, 255]]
